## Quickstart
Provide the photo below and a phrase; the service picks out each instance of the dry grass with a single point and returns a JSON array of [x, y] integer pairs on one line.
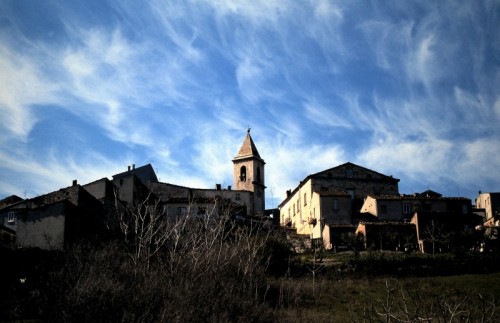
[[352, 300]]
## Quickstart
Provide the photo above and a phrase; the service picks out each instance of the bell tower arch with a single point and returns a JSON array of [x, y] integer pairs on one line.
[[248, 173]]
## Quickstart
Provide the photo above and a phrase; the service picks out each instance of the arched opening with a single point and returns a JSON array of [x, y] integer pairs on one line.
[[243, 174]]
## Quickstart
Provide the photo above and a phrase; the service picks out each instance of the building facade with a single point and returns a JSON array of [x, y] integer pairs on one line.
[[343, 187], [246, 198], [55, 220], [249, 175], [402, 207], [490, 204]]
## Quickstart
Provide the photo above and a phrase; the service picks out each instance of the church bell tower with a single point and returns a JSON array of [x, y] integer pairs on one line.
[[248, 173]]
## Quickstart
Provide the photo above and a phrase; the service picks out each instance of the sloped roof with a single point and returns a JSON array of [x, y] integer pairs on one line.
[[332, 194], [331, 172], [248, 148], [145, 173], [9, 201], [69, 194], [417, 197]]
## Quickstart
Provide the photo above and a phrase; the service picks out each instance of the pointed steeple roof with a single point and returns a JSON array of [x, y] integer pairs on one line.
[[248, 148]]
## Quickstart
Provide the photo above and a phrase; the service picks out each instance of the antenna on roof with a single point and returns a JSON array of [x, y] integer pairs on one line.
[[272, 198]]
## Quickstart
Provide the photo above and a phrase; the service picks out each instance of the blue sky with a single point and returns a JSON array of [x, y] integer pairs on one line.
[[409, 89]]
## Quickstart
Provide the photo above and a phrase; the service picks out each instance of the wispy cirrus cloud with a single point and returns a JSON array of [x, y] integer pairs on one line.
[[52, 171], [402, 88], [22, 85]]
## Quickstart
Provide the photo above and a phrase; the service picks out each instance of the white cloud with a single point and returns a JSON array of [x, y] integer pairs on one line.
[[416, 94], [257, 12], [388, 41], [213, 153], [249, 76], [479, 161], [173, 18], [421, 64], [22, 85], [46, 173], [415, 159], [326, 10], [496, 107], [287, 163], [331, 117]]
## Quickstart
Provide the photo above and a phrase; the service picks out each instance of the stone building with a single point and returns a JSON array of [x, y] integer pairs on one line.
[[489, 204], [305, 205], [402, 207], [57, 219], [248, 174], [132, 184], [400, 236], [436, 231], [245, 199]]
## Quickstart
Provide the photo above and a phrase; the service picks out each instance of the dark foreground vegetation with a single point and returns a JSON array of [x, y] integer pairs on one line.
[[218, 272]]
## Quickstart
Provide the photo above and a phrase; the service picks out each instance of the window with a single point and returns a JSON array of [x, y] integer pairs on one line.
[[406, 208], [243, 174], [11, 217], [335, 204], [305, 199], [202, 211], [298, 206], [258, 174], [238, 197], [293, 208], [465, 209], [349, 173], [181, 210]]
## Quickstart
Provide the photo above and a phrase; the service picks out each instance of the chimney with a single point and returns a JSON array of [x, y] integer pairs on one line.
[[133, 166], [75, 182], [218, 187], [229, 187], [288, 193], [128, 168]]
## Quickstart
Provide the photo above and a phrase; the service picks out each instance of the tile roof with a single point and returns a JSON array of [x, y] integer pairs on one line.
[[248, 148], [334, 194], [415, 197]]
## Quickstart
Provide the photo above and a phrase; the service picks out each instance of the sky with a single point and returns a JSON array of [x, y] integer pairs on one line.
[[406, 88]]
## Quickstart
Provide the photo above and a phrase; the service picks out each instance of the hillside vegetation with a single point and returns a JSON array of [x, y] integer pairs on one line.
[[226, 273]]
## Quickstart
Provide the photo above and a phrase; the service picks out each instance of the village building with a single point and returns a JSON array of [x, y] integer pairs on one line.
[[332, 208], [429, 213], [444, 231], [334, 197], [399, 236], [55, 220], [402, 207], [488, 205], [243, 200]]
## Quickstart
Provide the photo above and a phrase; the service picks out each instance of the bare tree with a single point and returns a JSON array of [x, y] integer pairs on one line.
[[144, 226], [434, 232], [403, 305]]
